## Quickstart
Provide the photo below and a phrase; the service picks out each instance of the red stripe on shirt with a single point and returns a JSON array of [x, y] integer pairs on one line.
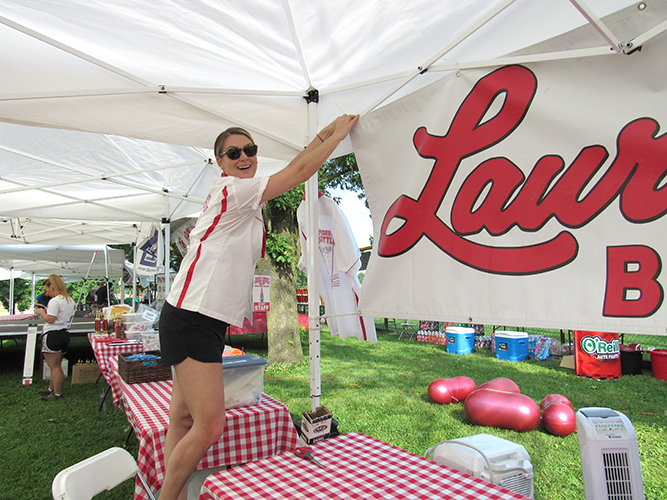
[[263, 237], [361, 320], [211, 228]]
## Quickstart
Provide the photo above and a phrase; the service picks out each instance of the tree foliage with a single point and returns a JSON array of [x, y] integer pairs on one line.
[[283, 252]]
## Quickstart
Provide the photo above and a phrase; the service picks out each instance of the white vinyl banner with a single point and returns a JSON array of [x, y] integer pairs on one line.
[[525, 196]]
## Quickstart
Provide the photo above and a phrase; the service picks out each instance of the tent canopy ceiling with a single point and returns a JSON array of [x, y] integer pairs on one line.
[[180, 72], [162, 79], [71, 187], [70, 262]]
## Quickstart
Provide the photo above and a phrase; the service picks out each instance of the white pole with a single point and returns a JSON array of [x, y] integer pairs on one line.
[[134, 277], [32, 291], [106, 274], [314, 326], [12, 309], [167, 242]]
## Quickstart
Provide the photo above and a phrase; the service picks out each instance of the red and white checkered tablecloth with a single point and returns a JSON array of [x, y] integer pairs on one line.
[[356, 467], [18, 317], [103, 351], [251, 432]]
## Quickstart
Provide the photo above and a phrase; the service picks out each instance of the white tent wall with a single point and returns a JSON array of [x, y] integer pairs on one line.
[[180, 72]]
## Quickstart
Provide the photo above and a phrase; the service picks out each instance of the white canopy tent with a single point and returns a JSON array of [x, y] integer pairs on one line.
[[180, 72], [70, 262]]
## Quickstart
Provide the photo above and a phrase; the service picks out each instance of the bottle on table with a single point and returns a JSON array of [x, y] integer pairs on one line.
[[98, 323]]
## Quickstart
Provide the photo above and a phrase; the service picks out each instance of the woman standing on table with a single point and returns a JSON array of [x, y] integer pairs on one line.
[[55, 340], [213, 290]]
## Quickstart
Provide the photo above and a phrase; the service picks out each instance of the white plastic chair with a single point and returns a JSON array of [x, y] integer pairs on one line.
[[96, 474]]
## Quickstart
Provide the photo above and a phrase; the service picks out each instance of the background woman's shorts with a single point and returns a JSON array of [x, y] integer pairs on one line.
[[55, 341], [187, 334]]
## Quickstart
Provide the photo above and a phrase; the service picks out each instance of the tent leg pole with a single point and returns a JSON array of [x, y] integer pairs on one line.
[[167, 248], [313, 275], [134, 277]]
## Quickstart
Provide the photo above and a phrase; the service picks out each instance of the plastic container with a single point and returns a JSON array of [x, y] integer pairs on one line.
[[244, 380], [659, 363], [511, 346], [134, 324], [460, 340], [150, 339], [631, 361]]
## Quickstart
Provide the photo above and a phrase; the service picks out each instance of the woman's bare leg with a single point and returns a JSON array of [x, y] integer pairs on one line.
[[54, 360], [197, 415]]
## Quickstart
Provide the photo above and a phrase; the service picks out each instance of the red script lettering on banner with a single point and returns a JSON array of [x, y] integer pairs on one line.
[[634, 176]]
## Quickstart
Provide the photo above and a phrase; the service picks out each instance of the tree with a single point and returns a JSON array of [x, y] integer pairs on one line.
[[283, 250], [22, 294]]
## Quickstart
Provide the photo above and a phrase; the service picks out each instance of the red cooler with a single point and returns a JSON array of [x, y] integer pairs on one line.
[[597, 354]]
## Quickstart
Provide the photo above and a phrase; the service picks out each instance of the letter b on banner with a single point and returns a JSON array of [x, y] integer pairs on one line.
[[632, 286]]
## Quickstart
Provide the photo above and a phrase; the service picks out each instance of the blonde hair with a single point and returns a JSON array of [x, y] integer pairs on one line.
[[58, 285]]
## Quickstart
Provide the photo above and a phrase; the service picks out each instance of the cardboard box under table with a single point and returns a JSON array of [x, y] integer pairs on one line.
[[251, 432], [85, 373]]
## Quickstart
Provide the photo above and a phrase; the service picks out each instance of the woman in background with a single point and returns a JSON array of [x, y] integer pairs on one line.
[[55, 340]]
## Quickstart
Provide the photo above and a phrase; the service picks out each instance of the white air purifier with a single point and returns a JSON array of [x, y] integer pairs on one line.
[[488, 457], [609, 455]]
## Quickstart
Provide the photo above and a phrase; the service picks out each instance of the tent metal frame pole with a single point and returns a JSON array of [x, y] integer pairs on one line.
[[314, 325], [12, 309], [134, 277], [427, 64], [33, 297], [167, 252], [530, 58], [106, 275], [596, 23], [641, 39]]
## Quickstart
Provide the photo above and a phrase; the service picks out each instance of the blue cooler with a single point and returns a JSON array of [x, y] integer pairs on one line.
[[511, 346], [460, 340]]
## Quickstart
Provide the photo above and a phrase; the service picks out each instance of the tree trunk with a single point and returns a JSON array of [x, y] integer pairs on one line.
[[284, 337]]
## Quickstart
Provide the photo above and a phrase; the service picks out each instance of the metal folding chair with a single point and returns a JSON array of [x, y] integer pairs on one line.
[[408, 329]]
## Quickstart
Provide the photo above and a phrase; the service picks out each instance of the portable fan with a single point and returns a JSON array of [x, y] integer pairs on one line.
[[488, 457], [609, 455]]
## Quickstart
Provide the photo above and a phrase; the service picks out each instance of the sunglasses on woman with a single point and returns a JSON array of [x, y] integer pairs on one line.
[[234, 153]]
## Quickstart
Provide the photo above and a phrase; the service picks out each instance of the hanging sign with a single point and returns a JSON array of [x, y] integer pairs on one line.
[[261, 294], [531, 195], [149, 253]]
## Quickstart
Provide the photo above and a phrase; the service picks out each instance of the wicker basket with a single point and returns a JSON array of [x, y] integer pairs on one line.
[[137, 372]]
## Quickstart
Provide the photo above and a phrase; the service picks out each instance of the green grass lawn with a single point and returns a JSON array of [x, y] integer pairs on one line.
[[379, 390]]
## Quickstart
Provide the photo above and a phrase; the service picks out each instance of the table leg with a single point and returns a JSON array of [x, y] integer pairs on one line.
[[29, 360], [104, 397]]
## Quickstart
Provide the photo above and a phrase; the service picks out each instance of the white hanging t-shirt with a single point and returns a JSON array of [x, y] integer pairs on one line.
[[339, 263]]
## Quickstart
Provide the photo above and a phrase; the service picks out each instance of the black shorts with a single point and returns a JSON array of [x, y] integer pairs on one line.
[[55, 341], [187, 334]]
